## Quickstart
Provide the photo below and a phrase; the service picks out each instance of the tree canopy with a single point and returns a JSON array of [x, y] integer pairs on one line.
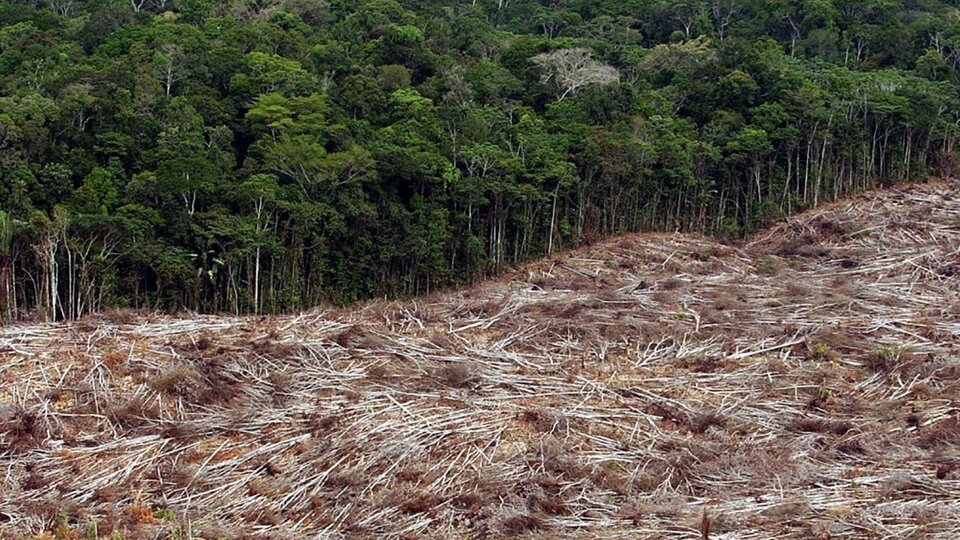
[[266, 156]]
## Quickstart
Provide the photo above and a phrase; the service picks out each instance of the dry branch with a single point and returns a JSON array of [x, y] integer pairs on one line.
[[781, 394]]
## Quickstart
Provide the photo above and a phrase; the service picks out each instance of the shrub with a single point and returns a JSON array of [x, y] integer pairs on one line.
[[883, 359], [820, 352]]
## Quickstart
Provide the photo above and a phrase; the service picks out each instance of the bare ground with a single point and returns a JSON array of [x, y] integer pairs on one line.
[[803, 384]]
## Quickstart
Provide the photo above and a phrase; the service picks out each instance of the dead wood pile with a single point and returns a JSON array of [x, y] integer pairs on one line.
[[803, 384]]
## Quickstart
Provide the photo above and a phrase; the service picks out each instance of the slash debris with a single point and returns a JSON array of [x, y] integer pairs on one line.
[[802, 384]]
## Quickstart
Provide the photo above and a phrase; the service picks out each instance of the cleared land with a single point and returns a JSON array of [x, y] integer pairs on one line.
[[803, 384]]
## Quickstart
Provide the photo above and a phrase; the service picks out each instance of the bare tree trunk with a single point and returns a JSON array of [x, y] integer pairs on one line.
[[5, 289], [46, 251], [823, 157], [553, 220], [256, 283]]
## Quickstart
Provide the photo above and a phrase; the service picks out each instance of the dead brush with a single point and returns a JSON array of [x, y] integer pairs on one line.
[[650, 478], [489, 308], [459, 375], [622, 263], [20, 430], [851, 447], [700, 255], [114, 360], [609, 296], [672, 284], [610, 479], [787, 510], [948, 270], [702, 364], [345, 479], [136, 514], [356, 337], [470, 502], [797, 291], [108, 494], [320, 424], [701, 422], [216, 382], [662, 506], [280, 387], [192, 346], [848, 263], [45, 509], [134, 413], [947, 471], [108, 521], [633, 445], [663, 410], [379, 373], [838, 341], [34, 481], [562, 464], [539, 419], [180, 430], [831, 228], [204, 342], [520, 523], [822, 398], [412, 474], [264, 487], [543, 496], [663, 297], [711, 316], [631, 512], [180, 379], [179, 475], [727, 302], [573, 310], [417, 502], [272, 348], [819, 425], [943, 434], [805, 246], [265, 517], [902, 486]]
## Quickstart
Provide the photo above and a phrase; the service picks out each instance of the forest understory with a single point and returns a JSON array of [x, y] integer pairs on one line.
[[800, 384]]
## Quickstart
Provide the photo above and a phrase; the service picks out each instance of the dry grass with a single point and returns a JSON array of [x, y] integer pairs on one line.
[[800, 385]]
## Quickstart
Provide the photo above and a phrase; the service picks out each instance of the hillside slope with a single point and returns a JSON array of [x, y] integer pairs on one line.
[[801, 385]]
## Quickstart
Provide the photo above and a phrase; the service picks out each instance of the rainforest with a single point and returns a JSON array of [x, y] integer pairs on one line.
[[266, 156]]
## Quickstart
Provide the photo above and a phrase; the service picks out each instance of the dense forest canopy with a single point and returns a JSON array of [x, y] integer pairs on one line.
[[256, 156]]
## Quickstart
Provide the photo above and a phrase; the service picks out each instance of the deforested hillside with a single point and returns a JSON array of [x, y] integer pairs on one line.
[[801, 384]]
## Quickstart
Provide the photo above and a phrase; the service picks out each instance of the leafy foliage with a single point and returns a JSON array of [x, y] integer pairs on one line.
[[268, 156]]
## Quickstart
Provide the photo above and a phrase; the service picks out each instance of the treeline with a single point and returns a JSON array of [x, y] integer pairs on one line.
[[257, 156]]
